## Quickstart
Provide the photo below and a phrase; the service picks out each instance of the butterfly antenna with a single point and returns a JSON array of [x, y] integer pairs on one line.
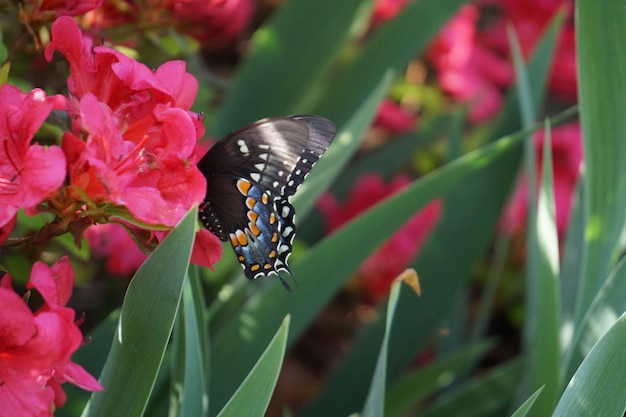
[[282, 281]]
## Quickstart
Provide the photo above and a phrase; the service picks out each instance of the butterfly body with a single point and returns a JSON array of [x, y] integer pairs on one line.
[[251, 173]]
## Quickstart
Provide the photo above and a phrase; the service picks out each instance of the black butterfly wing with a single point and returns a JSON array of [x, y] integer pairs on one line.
[[321, 134], [265, 152], [250, 175]]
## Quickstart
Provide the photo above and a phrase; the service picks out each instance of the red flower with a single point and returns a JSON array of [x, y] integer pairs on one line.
[[140, 135], [530, 18], [386, 10], [393, 118], [378, 272], [566, 159], [215, 23], [35, 349], [29, 173], [467, 69], [35, 13]]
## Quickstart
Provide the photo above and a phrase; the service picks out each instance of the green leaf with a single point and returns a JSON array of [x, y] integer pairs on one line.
[[602, 96], [389, 49], [375, 401], [145, 325], [608, 305], [287, 56], [412, 388], [542, 310], [597, 388], [253, 396], [190, 370], [523, 409], [489, 395]]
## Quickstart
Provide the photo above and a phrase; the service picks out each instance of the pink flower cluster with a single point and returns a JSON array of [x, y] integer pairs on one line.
[[377, 273], [214, 23], [473, 65], [35, 348], [130, 156]]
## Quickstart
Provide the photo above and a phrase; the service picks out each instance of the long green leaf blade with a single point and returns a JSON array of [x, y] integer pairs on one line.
[[253, 396], [542, 312], [602, 93], [375, 401], [145, 325]]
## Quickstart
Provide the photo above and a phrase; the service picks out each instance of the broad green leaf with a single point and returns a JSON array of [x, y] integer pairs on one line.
[[597, 388], [288, 55], [253, 396], [488, 395], [608, 305], [601, 57], [412, 388], [375, 401], [144, 327]]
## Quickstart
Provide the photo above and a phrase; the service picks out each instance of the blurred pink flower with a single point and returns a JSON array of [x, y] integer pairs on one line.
[[392, 118], [29, 173], [567, 158], [386, 10], [112, 242], [35, 13], [467, 70], [215, 23], [35, 349], [377, 272], [530, 19]]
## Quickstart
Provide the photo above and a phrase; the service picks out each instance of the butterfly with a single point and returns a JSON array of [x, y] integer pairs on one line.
[[251, 173]]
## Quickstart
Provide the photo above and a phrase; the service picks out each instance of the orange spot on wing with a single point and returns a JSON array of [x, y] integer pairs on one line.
[[243, 186], [254, 229], [241, 238]]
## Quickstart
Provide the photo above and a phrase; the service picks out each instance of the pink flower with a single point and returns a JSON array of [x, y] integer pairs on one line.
[[393, 118], [385, 10], [470, 72], [215, 23], [566, 159], [140, 134], [207, 249], [29, 173], [35, 13], [112, 242], [377, 273], [530, 18], [35, 349]]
